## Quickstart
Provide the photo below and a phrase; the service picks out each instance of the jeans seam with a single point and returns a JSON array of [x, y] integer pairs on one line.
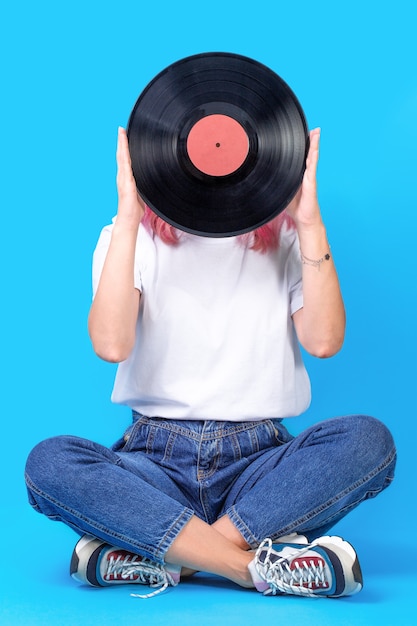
[[172, 533], [169, 446], [242, 527]]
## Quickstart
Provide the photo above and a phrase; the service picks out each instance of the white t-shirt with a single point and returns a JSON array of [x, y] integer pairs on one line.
[[215, 338]]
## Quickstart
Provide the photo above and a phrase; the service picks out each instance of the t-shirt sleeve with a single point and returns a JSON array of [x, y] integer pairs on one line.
[[99, 256]]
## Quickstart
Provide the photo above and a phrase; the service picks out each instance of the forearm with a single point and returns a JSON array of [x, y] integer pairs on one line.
[[320, 324], [113, 314]]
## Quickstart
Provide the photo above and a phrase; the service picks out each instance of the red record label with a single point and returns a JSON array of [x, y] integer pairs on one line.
[[217, 145]]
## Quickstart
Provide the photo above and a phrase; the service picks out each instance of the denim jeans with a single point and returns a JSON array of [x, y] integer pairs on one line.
[[139, 494]]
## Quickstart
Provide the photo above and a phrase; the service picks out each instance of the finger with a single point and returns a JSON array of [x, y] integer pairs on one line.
[[125, 179], [314, 144], [313, 156], [122, 153]]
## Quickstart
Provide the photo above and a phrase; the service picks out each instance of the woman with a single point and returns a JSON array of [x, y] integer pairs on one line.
[[207, 477]]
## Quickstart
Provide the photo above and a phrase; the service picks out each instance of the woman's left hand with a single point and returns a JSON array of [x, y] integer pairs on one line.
[[304, 208]]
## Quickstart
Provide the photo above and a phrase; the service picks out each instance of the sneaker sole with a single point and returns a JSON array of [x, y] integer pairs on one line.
[[349, 569]]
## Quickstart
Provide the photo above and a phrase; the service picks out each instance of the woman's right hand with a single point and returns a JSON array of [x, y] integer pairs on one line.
[[131, 207], [114, 311]]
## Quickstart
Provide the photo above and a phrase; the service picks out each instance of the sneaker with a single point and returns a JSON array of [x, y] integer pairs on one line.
[[99, 564], [327, 567]]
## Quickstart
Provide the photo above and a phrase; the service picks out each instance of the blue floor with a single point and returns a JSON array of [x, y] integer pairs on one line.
[[36, 589]]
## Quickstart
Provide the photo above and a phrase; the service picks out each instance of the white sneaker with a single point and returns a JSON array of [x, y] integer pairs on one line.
[[97, 563], [328, 567]]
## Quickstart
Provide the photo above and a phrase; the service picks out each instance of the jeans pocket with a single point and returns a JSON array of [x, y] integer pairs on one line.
[[125, 443], [153, 439], [282, 435]]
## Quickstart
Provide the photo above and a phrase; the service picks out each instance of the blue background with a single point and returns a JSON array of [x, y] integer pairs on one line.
[[70, 75]]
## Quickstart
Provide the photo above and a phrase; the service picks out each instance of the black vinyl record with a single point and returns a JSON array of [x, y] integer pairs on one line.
[[218, 144]]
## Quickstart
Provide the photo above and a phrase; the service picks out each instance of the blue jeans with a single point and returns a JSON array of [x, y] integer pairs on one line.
[[139, 494]]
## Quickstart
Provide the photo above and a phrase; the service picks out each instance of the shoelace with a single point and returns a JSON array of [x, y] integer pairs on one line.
[[142, 571], [281, 578]]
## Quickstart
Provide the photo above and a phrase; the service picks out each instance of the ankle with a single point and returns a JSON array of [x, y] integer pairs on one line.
[[239, 570]]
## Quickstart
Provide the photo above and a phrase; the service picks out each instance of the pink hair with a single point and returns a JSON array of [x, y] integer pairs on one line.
[[264, 238]]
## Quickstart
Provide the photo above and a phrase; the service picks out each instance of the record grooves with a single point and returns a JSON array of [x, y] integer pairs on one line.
[[218, 144]]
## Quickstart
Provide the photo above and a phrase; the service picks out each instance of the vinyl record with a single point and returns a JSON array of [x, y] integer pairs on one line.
[[218, 144]]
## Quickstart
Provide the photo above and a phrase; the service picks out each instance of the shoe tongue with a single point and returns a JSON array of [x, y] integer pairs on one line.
[[115, 559]]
